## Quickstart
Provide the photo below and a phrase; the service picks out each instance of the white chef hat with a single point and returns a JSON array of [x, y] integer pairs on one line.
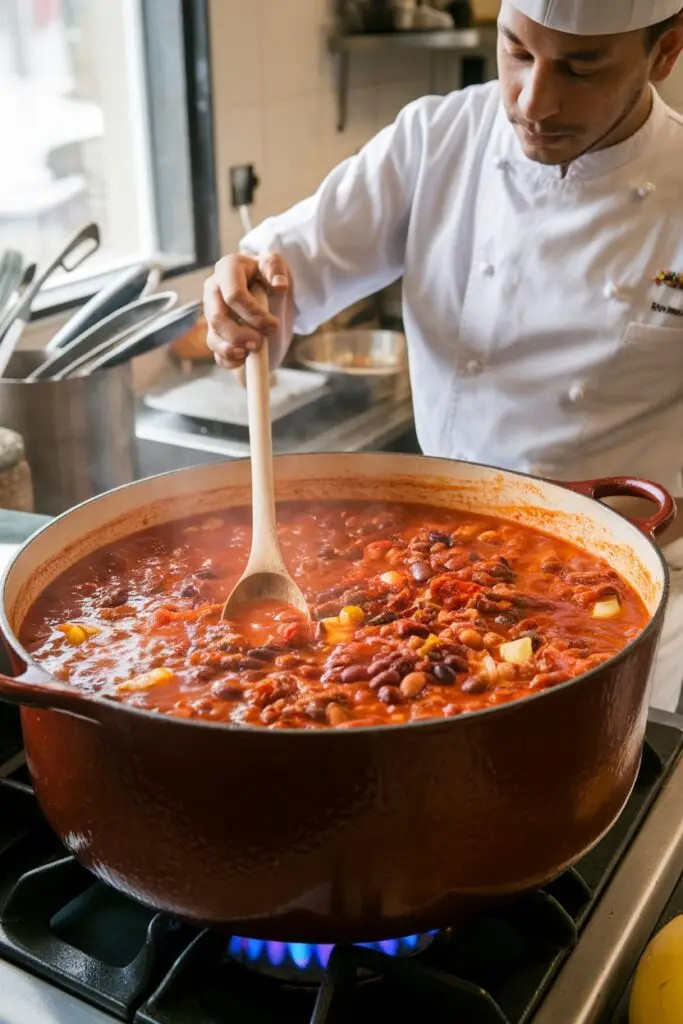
[[598, 17]]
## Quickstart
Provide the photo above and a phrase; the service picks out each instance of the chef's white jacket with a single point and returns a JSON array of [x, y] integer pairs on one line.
[[538, 337]]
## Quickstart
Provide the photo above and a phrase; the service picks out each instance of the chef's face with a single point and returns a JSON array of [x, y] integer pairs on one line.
[[568, 95]]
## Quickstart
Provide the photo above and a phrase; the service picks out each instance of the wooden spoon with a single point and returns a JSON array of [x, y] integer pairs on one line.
[[266, 576]]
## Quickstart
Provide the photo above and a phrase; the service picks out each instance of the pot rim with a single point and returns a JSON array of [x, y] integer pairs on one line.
[[319, 734]]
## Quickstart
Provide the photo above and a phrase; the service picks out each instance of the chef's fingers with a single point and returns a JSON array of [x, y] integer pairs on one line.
[[275, 272], [233, 276], [232, 352]]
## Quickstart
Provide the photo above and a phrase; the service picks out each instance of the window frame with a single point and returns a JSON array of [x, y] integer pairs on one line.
[[199, 114]]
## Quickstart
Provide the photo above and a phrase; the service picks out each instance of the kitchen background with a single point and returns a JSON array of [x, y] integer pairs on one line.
[[135, 115]]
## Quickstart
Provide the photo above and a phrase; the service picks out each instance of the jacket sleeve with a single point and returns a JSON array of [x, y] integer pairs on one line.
[[348, 240]]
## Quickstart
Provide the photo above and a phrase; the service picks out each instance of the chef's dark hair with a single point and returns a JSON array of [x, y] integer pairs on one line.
[[655, 32]]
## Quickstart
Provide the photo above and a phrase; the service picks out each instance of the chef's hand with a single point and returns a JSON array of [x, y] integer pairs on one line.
[[237, 323]]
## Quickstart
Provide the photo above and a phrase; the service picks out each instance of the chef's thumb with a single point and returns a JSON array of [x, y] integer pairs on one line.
[[275, 271]]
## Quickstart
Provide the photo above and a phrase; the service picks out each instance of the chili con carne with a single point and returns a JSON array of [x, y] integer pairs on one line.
[[418, 613]]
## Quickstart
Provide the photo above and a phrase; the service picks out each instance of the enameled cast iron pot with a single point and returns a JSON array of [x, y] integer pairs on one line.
[[331, 835]]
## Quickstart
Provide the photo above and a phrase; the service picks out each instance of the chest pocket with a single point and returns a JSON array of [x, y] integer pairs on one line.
[[645, 368]]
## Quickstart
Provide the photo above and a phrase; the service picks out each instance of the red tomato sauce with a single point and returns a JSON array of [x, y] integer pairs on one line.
[[417, 613]]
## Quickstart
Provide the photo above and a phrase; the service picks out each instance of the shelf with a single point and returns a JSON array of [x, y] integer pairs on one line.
[[468, 42], [441, 39]]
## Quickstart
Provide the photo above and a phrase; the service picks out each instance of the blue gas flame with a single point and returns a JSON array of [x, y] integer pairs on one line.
[[303, 956]]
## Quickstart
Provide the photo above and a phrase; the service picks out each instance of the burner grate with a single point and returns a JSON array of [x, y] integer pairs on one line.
[[59, 923]]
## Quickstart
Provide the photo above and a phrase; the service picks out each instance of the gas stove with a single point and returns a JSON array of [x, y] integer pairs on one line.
[[73, 951]]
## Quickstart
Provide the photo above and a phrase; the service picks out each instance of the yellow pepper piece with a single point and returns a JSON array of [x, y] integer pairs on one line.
[[145, 681], [75, 634], [607, 609], [517, 652], [431, 642], [335, 632], [351, 615], [90, 630]]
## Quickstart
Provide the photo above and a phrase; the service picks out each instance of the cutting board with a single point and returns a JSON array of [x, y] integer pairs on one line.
[[218, 398]]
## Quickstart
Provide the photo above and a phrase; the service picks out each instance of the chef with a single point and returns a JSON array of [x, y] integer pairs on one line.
[[537, 223]]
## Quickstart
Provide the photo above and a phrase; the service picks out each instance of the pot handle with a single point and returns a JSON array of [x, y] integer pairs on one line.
[[631, 487], [36, 689]]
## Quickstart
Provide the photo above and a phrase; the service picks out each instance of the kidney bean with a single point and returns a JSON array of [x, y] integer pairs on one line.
[[408, 627], [310, 672], [227, 689], [437, 537], [445, 674], [114, 597], [413, 684], [332, 675], [420, 571], [246, 664], [474, 686], [197, 674], [456, 564], [486, 606], [383, 619], [206, 570], [389, 695], [286, 661], [492, 640], [326, 610], [190, 590], [263, 653], [457, 663], [388, 678], [471, 639], [355, 674]]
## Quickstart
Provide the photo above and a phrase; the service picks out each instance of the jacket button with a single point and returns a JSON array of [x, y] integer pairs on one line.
[[577, 393], [501, 163], [645, 190], [613, 291], [474, 367], [488, 269]]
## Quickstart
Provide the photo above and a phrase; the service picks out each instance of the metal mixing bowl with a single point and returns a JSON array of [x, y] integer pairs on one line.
[[356, 353]]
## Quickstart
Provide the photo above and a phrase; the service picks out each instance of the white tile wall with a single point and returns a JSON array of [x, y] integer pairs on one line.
[[275, 100]]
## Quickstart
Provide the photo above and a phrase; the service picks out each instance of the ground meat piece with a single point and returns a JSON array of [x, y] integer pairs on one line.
[[114, 597]]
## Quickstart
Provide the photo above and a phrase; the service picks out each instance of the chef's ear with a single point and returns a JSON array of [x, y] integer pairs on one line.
[[667, 50]]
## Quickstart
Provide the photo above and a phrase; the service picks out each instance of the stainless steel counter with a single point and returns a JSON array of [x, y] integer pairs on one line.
[[342, 419]]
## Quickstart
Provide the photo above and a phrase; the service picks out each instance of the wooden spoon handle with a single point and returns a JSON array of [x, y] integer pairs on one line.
[[265, 548]]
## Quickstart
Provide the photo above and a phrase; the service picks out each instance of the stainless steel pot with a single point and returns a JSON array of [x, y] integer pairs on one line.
[[79, 433]]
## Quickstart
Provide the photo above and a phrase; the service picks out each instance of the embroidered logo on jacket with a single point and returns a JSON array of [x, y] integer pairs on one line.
[[670, 279]]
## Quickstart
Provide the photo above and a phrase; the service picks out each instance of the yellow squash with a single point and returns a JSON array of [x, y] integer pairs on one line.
[[657, 996]]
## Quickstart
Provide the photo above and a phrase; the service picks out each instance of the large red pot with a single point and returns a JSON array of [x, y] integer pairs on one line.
[[339, 835]]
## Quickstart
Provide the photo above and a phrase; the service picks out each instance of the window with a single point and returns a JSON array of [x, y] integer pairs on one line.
[[105, 115]]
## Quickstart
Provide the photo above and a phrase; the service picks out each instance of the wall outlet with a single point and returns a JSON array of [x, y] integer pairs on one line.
[[243, 185]]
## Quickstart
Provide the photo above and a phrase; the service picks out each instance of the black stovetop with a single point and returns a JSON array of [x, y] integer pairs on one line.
[[57, 922]]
